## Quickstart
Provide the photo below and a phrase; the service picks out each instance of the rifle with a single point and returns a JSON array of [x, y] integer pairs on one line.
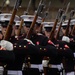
[[22, 21], [62, 20], [19, 30], [67, 29], [55, 23], [45, 15], [26, 12], [40, 8], [72, 33], [9, 27]]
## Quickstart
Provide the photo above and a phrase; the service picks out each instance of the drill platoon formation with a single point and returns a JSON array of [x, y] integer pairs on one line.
[[29, 45]]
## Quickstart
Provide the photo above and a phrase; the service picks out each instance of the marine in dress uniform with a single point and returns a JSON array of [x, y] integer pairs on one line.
[[16, 67], [63, 52], [69, 62], [4, 20], [36, 48], [55, 64], [6, 48]]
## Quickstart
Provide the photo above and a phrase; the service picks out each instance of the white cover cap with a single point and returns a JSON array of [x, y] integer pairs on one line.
[[29, 18], [7, 45], [7, 16], [18, 23], [65, 38]]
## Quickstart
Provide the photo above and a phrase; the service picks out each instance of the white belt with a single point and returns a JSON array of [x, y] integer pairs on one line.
[[59, 67], [12, 72], [70, 73], [1, 70], [39, 66], [74, 54]]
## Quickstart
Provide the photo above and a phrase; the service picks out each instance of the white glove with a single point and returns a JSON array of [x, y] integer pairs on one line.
[[29, 41], [7, 45], [65, 38], [45, 63]]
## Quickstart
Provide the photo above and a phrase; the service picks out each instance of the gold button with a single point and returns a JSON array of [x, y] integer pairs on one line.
[[44, 48], [64, 48], [14, 46], [57, 48], [60, 48], [24, 46], [28, 57], [40, 48], [50, 65], [19, 45]]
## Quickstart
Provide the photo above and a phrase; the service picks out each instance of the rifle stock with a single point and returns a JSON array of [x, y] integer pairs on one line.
[[72, 33], [31, 27], [67, 29], [68, 25], [57, 35], [60, 24], [62, 20], [40, 8], [19, 30], [9, 27], [55, 23], [53, 29]]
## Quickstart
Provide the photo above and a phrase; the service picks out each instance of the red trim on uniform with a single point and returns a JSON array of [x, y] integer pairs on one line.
[[29, 43], [66, 46], [50, 42], [37, 42]]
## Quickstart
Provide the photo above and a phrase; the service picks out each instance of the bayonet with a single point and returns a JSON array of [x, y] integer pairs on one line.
[[40, 7], [67, 8], [26, 12], [47, 12], [18, 3]]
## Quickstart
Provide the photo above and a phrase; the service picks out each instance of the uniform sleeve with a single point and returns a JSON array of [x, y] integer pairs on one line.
[[6, 56], [45, 48]]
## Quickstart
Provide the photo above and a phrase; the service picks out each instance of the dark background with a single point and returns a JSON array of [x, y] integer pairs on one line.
[[55, 5]]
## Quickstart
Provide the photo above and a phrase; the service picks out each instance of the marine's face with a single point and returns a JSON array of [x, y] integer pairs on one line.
[[37, 29], [16, 29], [1, 36], [47, 34], [4, 30], [26, 29]]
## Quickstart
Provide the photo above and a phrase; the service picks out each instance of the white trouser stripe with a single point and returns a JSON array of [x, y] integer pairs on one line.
[[12, 72]]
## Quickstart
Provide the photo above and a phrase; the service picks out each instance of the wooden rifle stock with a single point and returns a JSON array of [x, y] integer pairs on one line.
[[60, 24], [72, 33], [40, 8], [67, 28], [19, 30], [32, 27], [55, 23], [57, 35], [62, 20], [53, 29], [9, 27]]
